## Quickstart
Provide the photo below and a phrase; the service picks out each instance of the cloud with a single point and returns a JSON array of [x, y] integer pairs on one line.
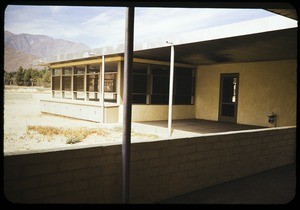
[[105, 26], [154, 22]]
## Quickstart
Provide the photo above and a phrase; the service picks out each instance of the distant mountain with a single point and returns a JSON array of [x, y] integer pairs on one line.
[[13, 59], [41, 45], [22, 49]]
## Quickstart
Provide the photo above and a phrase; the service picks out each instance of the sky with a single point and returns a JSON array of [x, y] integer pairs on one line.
[[105, 26]]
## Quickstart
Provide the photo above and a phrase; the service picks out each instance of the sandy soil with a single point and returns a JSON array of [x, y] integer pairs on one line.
[[22, 109]]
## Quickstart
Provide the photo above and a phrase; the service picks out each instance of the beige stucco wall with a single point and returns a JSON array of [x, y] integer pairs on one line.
[[264, 87], [160, 112]]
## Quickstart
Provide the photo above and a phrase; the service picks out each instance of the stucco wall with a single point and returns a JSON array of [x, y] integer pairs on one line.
[[160, 112], [159, 169], [264, 87], [79, 109]]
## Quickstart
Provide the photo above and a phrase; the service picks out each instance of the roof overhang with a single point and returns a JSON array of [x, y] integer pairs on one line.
[[268, 46], [264, 39]]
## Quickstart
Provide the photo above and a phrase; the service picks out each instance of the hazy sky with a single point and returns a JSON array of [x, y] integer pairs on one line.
[[105, 26]]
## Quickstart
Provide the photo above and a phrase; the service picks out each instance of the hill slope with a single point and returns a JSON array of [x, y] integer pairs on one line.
[[22, 49], [41, 45], [13, 59]]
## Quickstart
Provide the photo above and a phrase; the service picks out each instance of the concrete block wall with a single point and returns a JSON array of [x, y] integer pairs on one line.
[[159, 169]]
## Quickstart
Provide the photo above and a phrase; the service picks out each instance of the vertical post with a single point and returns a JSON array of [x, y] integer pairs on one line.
[[51, 82], [72, 82], [102, 87], [61, 84], [171, 92], [128, 59], [85, 84]]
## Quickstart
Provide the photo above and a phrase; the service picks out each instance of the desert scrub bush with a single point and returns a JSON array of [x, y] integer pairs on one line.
[[73, 135], [143, 135], [45, 130]]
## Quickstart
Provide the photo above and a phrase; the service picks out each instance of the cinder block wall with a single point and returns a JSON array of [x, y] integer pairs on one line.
[[159, 169]]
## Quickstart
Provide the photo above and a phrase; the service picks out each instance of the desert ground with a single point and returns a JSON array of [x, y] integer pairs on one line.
[[27, 129]]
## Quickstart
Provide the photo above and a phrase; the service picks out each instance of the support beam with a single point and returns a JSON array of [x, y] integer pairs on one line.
[[102, 87], [171, 92], [128, 59]]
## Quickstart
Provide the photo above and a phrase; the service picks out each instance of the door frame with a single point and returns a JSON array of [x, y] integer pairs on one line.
[[226, 118]]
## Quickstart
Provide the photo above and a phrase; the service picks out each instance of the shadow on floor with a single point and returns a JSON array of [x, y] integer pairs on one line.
[[202, 126], [276, 186]]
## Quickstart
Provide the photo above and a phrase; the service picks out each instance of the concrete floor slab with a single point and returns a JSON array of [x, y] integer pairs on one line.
[[190, 127], [276, 186]]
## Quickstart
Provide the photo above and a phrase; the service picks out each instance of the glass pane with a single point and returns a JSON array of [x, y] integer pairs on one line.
[[67, 71], [187, 72], [111, 66], [110, 76], [160, 85], [184, 85], [78, 83], [227, 89], [139, 84], [182, 100], [66, 83], [55, 83], [110, 82], [139, 99], [140, 68], [79, 69], [109, 85], [228, 110], [92, 83], [159, 99], [56, 71], [93, 68], [160, 70]]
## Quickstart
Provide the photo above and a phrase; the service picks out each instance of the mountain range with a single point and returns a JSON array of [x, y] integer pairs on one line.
[[22, 49]]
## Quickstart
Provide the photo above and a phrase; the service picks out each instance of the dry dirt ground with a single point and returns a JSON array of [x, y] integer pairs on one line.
[[22, 111]]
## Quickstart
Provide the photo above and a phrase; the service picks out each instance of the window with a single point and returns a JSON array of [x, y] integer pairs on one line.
[[154, 84], [184, 85], [92, 83], [66, 78], [55, 83], [160, 84], [79, 69], [56, 73], [140, 83], [110, 82], [78, 82]]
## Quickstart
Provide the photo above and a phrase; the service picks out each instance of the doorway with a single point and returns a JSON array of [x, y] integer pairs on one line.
[[228, 97]]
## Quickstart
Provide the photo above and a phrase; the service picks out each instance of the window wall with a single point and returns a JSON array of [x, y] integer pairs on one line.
[[83, 82], [151, 84]]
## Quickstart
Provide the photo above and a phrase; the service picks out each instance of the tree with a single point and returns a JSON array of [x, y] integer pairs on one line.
[[20, 76], [8, 78], [27, 77], [46, 78]]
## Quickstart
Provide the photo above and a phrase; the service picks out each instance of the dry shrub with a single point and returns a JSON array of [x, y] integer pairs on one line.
[[144, 135], [73, 135]]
